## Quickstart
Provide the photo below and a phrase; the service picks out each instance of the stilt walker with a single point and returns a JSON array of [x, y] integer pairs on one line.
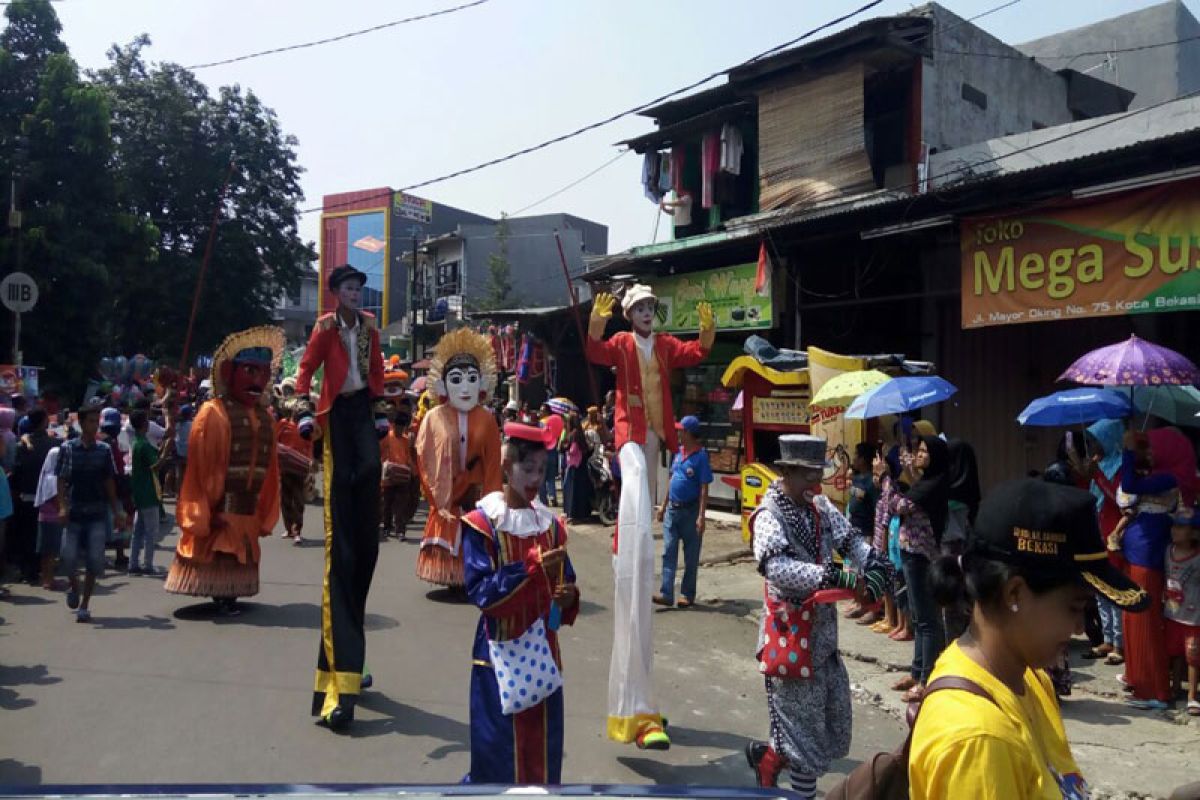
[[645, 421], [458, 450], [346, 343], [230, 493]]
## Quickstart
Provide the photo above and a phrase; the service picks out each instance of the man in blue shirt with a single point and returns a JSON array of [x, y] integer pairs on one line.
[[682, 514], [86, 492]]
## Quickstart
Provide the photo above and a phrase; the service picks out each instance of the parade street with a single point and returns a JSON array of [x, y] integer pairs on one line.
[[156, 690]]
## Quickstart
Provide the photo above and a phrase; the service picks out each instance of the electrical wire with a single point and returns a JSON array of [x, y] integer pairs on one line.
[[610, 119], [1069, 56], [573, 184], [339, 38]]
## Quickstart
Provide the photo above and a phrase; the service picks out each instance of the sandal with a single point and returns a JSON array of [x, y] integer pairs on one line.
[[904, 684], [913, 695], [855, 612], [1100, 651], [870, 619], [883, 626], [1115, 658], [1193, 708]]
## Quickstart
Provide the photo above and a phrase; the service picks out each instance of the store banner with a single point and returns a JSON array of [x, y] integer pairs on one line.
[[1133, 253], [731, 292], [830, 423]]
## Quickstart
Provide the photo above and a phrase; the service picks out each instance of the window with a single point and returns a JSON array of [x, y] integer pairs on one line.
[[448, 279], [974, 96]]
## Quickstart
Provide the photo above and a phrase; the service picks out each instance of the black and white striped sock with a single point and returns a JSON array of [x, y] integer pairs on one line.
[[804, 784]]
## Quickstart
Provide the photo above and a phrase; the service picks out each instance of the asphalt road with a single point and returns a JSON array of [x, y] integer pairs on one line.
[[157, 690]]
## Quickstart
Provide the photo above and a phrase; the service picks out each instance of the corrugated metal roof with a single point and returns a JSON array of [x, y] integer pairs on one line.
[[1063, 143]]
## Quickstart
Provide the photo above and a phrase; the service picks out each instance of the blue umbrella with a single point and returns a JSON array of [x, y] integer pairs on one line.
[[900, 395], [1074, 407]]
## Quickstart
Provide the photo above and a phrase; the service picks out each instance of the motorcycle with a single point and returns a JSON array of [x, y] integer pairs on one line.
[[606, 485]]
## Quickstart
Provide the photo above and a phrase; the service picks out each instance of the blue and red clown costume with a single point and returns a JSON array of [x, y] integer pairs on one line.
[[502, 549]]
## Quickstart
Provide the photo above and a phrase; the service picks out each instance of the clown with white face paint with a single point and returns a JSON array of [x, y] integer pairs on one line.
[[644, 422], [458, 447]]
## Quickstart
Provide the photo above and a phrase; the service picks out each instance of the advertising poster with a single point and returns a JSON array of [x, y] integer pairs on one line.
[[1132, 253], [730, 291], [19, 380], [840, 433]]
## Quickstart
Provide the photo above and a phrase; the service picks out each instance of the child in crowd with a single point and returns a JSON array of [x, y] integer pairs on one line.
[[295, 464], [146, 497], [395, 492], [864, 495], [50, 523], [519, 575], [1181, 604]]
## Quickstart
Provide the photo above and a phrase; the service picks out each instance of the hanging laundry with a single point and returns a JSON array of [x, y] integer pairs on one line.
[[677, 163], [731, 149], [664, 174], [650, 171], [710, 162]]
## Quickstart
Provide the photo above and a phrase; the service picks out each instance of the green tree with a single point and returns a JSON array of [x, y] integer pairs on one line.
[[498, 292], [57, 146], [180, 153]]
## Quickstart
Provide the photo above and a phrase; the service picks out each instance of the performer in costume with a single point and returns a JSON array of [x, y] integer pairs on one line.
[[795, 532], [352, 418], [518, 573], [458, 450], [230, 493], [645, 421]]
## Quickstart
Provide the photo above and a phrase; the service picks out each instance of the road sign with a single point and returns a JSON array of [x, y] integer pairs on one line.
[[18, 292]]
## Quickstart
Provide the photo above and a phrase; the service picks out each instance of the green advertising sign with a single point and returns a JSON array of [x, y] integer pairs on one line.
[[730, 292]]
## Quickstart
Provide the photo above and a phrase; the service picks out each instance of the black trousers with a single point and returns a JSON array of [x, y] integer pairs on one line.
[[352, 472]]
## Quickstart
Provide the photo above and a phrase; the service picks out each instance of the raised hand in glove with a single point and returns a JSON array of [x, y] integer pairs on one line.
[[602, 309]]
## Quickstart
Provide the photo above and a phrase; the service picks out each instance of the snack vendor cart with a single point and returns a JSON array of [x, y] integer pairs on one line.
[[773, 403]]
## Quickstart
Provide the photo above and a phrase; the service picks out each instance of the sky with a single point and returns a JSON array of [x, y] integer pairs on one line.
[[409, 103]]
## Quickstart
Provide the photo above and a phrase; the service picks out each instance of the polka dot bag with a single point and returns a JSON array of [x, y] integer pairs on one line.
[[784, 650], [525, 670]]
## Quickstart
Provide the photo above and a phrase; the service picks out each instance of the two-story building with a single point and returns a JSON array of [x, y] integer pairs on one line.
[[866, 167]]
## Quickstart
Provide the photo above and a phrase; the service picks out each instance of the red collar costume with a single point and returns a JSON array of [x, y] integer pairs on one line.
[[643, 405], [325, 347], [621, 352], [352, 470]]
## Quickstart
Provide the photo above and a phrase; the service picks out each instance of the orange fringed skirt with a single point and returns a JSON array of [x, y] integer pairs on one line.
[[224, 576], [438, 565]]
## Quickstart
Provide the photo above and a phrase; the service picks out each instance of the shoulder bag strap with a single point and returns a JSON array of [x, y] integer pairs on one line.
[[937, 685]]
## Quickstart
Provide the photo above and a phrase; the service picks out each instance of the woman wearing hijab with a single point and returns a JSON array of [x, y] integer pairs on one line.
[[577, 484], [1105, 440], [922, 511], [1158, 472]]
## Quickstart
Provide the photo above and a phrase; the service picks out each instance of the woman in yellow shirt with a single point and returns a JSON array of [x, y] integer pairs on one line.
[[1036, 558]]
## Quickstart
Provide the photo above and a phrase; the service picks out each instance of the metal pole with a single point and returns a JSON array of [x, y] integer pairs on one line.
[[17, 339], [14, 224], [412, 325]]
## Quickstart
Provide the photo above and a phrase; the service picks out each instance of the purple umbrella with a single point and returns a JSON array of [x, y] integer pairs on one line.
[[1134, 362]]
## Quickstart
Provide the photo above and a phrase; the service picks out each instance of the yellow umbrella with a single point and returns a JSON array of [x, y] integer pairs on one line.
[[842, 389]]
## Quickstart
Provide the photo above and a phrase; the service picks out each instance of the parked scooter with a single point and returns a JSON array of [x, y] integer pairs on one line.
[[606, 485]]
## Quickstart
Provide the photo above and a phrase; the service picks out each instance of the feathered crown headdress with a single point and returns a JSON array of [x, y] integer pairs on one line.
[[467, 346], [268, 336]]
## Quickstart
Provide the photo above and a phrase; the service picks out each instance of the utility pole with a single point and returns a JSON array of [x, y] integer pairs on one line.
[[14, 227], [415, 230]]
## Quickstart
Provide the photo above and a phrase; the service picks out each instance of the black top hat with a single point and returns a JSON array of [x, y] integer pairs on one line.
[[1052, 528], [342, 273], [801, 450]]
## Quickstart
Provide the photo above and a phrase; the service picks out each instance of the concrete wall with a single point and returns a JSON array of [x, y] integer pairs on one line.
[[535, 267], [1156, 74], [1019, 92]]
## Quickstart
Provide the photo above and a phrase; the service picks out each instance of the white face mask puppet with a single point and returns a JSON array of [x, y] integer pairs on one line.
[[463, 385]]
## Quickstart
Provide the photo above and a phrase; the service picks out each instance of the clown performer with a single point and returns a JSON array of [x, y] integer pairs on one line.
[[346, 342], [643, 361], [519, 575], [230, 493], [458, 450]]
